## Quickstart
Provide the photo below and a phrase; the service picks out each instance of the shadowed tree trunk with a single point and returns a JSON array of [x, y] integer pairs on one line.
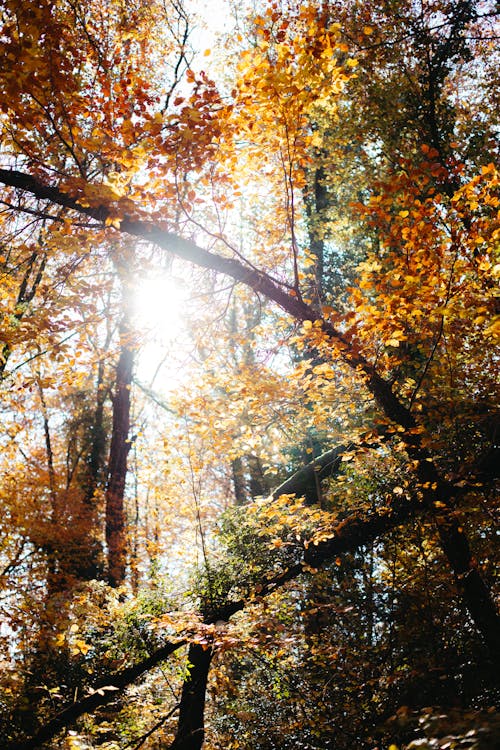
[[118, 452], [117, 472], [94, 477], [191, 725], [316, 204]]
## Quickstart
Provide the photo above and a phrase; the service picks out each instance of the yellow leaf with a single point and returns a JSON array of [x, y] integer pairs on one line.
[[81, 647], [494, 328], [113, 222], [367, 30]]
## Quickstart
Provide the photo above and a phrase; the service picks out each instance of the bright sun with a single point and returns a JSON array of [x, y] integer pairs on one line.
[[158, 303], [159, 306]]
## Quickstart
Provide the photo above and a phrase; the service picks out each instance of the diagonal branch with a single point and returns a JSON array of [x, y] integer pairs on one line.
[[104, 692], [257, 280], [351, 533], [347, 536], [434, 491]]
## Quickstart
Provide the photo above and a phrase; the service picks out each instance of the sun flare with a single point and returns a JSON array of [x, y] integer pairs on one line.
[[158, 307], [159, 310]]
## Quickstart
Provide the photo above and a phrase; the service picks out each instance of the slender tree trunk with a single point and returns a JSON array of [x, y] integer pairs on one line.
[[316, 202], [96, 459], [259, 486], [57, 557], [116, 532], [88, 557], [117, 468], [191, 726], [240, 490]]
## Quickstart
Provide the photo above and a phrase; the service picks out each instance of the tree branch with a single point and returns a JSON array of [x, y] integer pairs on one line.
[[105, 691], [257, 280], [347, 536], [304, 483], [431, 489]]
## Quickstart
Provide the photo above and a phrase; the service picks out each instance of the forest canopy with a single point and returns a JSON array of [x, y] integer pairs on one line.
[[249, 323]]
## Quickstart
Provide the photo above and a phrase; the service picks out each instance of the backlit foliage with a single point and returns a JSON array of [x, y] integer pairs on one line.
[[288, 504]]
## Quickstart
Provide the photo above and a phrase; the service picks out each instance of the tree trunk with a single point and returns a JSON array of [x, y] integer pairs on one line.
[[240, 490], [191, 725], [471, 586], [117, 466], [316, 204]]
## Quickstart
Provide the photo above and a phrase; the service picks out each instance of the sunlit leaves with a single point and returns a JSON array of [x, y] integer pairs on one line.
[[429, 286], [309, 164]]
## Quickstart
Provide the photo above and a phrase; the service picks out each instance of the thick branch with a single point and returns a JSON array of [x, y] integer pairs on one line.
[[351, 533], [348, 535], [105, 691], [304, 483], [257, 280]]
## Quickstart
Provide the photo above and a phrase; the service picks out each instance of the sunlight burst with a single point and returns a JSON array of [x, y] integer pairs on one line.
[[159, 309]]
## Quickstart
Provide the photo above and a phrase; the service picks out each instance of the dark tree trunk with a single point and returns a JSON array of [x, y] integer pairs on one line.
[[89, 557], [191, 725], [239, 484], [117, 466], [471, 586], [259, 487], [316, 201]]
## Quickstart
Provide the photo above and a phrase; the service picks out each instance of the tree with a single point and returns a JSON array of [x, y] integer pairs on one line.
[[95, 134]]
